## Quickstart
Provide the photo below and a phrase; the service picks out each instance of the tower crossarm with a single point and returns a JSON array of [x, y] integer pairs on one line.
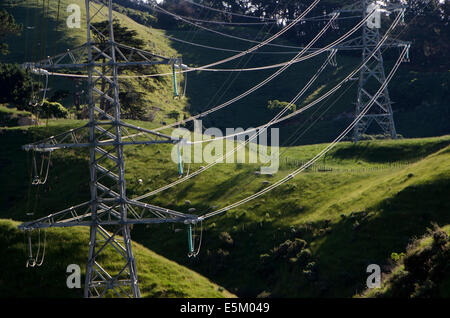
[[79, 137], [80, 215], [357, 44], [77, 58], [106, 136]]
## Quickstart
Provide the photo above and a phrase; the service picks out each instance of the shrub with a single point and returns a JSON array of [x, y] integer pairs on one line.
[[264, 258], [310, 275], [265, 267], [424, 270], [312, 266], [225, 237], [396, 256], [304, 256], [53, 109], [440, 239], [264, 294], [297, 246], [289, 248]]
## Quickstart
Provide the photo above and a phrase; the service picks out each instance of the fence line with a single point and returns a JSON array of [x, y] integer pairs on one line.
[[322, 167]]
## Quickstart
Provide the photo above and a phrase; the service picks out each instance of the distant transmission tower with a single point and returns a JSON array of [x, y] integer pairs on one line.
[[372, 74], [109, 213]]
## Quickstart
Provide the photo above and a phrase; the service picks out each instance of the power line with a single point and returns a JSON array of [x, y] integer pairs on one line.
[[250, 50], [273, 20], [277, 119], [296, 59], [261, 84], [232, 36], [320, 154], [220, 49]]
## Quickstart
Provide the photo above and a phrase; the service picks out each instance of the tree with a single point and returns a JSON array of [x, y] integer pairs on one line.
[[122, 34], [16, 86], [132, 104], [428, 29], [60, 95], [8, 27], [125, 36]]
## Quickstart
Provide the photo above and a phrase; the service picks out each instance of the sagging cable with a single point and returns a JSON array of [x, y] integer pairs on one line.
[[37, 178], [34, 261]]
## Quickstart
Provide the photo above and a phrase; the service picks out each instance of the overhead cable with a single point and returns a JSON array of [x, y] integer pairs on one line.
[[317, 18], [295, 21], [320, 154], [370, 56], [296, 59]]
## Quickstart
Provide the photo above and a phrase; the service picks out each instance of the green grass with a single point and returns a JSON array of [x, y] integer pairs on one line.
[[158, 93], [10, 117], [420, 113], [158, 276], [399, 186]]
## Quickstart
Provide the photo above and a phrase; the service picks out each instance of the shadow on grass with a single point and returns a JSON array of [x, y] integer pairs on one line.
[[391, 151], [355, 242]]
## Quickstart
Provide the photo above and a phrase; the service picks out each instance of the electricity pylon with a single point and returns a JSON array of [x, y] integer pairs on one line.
[[109, 213], [372, 74]]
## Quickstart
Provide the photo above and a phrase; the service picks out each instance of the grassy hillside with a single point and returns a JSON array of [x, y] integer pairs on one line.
[[348, 218], [420, 113], [43, 35], [10, 117], [313, 236], [158, 277]]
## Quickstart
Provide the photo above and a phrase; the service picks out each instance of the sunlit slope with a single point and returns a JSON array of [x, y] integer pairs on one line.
[[158, 276], [371, 205], [44, 35], [358, 205], [420, 113]]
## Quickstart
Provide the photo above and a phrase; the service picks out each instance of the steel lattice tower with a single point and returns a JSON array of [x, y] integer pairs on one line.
[[372, 75], [373, 71], [109, 213]]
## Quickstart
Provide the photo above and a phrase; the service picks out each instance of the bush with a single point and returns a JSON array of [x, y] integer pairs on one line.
[[289, 248], [225, 237], [304, 256], [264, 294], [423, 271], [440, 239], [53, 109], [310, 275]]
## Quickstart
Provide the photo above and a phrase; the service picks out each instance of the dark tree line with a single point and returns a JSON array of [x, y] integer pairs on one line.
[[427, 21], [15, 86], [8, 27]]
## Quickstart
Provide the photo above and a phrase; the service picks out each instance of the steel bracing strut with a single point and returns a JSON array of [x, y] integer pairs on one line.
[[109, 213]]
